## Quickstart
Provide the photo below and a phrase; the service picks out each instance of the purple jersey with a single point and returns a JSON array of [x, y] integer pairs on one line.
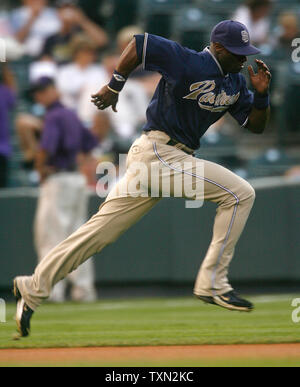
[[7, 102], [193, 93], [64, 137]]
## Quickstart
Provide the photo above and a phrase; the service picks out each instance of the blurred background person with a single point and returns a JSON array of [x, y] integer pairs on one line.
[[57, 49], [33, 23], [107, 150], [255, 14], [14, 49], [82, 72], [7, 103], [132, 103], [62, 205], [288, 29], [29, 130], [73, 21], [125, 35], [71, 79]]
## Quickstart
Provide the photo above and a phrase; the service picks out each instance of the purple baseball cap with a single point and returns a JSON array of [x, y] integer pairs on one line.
[[41, 84], [234, 36]]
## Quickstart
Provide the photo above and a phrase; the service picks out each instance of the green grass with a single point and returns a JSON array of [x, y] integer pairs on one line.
[[169, 363], [184, 321]]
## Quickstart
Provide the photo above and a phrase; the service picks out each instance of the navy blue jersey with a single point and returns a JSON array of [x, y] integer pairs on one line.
[[193, 93]]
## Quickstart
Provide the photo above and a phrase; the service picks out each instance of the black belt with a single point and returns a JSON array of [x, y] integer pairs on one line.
[[173, 142], [188, 150], [71, 169]]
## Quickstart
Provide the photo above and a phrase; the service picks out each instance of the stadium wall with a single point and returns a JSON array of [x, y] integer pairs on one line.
[[168, 245]]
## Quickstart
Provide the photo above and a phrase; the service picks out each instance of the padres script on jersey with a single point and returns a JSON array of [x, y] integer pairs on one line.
[[215, 103], [193, 93]]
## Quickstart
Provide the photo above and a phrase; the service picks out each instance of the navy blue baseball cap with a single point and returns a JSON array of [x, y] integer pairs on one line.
[[234, 36], [41, 84]]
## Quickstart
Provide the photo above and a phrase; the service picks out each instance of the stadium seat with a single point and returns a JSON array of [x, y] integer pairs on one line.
[[222, 9], [220, 148], [274, 162], [117, 13], [156, 15], [291, 104], [95, 13], [192, 27], [20, 69], [161, 6], [284, 5]]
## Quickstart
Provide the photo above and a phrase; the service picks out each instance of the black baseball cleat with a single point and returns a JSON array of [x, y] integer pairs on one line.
[[230, 301], [24, 313]]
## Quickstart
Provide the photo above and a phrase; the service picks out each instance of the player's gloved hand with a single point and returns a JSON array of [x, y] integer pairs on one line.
[[261, 80], [105, 98]]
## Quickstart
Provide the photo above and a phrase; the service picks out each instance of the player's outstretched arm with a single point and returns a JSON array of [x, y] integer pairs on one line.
[[260, 113], [108, 96]]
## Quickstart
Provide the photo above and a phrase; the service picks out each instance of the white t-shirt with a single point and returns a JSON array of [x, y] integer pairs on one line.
[[14, 50], [72, 82], [131, 107], [46, 24], [258, 30]]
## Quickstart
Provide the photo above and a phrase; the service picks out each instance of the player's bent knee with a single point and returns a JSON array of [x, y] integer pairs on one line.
[[245, 194], [248, 193]]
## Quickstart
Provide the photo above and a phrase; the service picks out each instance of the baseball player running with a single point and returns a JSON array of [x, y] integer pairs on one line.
[[196, 90]]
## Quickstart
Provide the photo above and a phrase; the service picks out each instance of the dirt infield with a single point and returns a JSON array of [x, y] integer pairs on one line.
[[270, 351]]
